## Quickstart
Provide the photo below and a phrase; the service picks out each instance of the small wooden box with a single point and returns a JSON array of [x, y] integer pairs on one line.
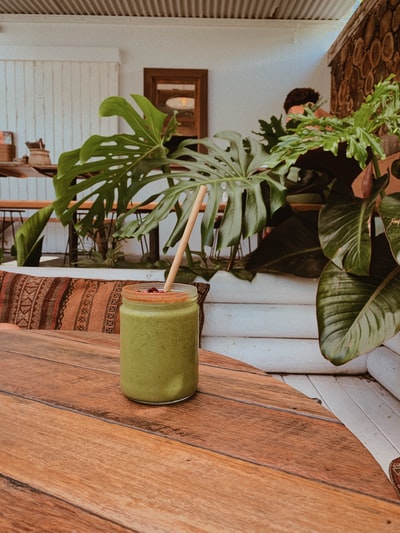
[[7, 152]]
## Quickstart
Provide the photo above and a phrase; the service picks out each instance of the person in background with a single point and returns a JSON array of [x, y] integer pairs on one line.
[[309, 177], [299, 98], [335, 166]]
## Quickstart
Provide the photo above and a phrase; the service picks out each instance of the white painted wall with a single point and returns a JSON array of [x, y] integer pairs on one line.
[[53, 94], [251, 64]]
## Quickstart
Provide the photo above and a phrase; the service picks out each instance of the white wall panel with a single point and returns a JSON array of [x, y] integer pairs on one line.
[[281, 355], [56, 100]]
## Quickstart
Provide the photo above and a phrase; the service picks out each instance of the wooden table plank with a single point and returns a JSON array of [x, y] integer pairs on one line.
[[178, 490], [32, 510]]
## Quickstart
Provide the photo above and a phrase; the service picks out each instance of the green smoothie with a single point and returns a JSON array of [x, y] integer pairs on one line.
[[159, 342]]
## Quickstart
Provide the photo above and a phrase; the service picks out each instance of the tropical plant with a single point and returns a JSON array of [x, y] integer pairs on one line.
[[358, 305], [358, 267], [120, 167], [271, 131]]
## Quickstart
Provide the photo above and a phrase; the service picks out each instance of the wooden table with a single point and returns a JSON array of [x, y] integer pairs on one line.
[[247, 453]]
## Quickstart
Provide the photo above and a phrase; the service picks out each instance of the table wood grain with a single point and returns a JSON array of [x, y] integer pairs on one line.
[[246, 453]]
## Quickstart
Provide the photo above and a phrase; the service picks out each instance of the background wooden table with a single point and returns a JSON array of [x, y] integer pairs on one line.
[[246, 453]]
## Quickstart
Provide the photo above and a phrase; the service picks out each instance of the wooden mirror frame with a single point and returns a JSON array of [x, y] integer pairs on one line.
[[182, 76]]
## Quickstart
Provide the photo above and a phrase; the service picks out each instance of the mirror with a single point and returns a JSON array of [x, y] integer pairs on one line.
[[184, 91]]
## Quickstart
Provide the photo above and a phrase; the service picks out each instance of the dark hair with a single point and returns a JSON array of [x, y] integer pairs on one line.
[[300, 96]]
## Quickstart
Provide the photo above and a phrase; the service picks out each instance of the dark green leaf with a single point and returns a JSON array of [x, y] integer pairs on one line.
[[28, 240], [345, 228], [357, 313], [389, 209], [230, 229], [254, 212], [292, 247]]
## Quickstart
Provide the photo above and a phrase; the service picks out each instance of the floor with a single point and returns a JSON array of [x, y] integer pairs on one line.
[[370, 412]]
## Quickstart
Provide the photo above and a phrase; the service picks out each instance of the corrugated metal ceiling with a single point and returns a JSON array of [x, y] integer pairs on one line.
[[200, 9]]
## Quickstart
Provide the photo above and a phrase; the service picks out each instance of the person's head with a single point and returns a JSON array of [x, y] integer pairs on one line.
[[300, 96]]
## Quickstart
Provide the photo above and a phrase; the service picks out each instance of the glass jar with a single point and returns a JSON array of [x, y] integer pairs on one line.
[[159, 339]]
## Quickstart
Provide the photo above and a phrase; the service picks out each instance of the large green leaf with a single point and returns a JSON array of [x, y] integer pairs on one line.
[[112, 170], [254, 211], [28, 240], [357, 313], [389, 209], [292, 247], [345, 228], [231, 172]]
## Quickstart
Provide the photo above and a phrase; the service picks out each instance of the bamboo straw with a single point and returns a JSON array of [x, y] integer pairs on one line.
[[185, 238]]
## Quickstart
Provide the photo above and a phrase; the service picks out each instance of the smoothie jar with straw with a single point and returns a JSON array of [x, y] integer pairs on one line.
[[159, 333], [159, 337]]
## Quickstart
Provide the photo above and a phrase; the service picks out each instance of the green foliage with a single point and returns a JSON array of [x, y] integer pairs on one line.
[[345, 228], [116, 168], [231, 171], [271, 132], [292, 247], [357, 302], [120, 168], [357, 313], [28, 239], [359, 130]]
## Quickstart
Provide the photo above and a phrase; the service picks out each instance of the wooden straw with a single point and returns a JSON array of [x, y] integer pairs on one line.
[[185, 238]]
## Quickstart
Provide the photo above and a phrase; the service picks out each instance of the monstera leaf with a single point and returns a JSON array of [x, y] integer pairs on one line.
[[292, 247], [232, 175], [112, 170], [357, 313]]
